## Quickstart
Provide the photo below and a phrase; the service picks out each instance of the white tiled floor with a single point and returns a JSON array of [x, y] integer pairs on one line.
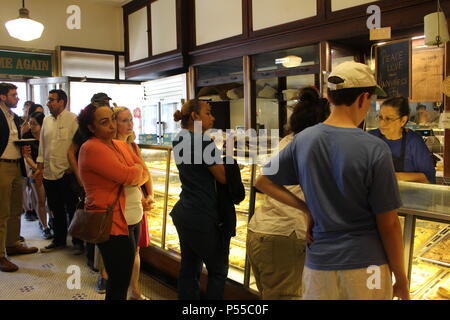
[[43, 276]]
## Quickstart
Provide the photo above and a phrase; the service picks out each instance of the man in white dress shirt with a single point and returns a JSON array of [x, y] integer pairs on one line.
[[57, 132], [11, 180]]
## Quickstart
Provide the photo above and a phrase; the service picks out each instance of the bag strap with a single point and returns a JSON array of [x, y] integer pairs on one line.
[[111, 207]]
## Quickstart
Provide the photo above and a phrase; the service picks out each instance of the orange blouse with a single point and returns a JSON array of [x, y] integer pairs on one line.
[[102, 170]]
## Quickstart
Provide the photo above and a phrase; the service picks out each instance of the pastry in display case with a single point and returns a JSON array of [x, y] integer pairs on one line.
[[156, 161], [431, 261], [439, 289], [422, 274], [438, 250]]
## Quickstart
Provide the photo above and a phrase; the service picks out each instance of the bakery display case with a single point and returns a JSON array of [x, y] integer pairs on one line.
[[426, 229], [167, 187], [425, 219]]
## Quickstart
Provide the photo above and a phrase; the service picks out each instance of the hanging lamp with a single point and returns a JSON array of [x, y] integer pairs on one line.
[[24, 28]]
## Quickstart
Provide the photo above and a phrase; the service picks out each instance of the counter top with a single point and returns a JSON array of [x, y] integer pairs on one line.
[[426, 200]]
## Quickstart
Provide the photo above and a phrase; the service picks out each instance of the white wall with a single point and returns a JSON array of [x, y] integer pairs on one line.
[[269, 13], [344, 4], [101, 24], [217, 20]]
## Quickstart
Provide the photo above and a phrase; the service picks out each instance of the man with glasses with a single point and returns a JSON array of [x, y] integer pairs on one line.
[[11, 180], [54, 170], [347, 176]]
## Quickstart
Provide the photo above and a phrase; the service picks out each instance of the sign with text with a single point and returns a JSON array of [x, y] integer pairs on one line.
[[393, 65], [427, 75], [25, 64], [380, 33]]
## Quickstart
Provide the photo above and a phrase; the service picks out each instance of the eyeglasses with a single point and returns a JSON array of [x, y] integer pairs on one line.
[[386, 119], [51, 99]]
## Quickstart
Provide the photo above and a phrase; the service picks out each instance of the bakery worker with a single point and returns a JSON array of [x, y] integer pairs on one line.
[[412, 160]]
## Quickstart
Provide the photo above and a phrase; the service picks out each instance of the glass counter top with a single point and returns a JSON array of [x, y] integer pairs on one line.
[[426, 200]]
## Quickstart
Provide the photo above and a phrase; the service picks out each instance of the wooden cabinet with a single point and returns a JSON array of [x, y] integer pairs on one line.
[[156, 38]]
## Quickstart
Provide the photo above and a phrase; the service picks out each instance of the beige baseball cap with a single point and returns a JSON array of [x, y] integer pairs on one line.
[[354, 75]]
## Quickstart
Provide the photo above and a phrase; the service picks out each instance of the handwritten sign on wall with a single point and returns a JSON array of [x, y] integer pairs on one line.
[[427, 75], [393, 65]]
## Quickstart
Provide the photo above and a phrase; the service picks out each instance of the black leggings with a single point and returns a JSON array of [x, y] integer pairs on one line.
[[118, 257]]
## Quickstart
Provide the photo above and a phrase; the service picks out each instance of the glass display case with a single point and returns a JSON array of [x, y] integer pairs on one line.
[[426, 230], [425, 219], [167, 187]]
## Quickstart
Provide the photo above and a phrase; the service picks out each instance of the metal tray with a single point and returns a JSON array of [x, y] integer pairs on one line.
[[427, 292], [427, 281], [438, 237]]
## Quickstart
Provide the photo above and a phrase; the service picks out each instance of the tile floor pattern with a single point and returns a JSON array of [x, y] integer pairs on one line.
[[43, 276]]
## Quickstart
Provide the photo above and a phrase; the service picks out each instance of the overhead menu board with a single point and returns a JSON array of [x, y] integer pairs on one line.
[[393, 68]]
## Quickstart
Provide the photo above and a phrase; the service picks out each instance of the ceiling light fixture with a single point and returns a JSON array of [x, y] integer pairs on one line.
[[289, 61], [24, 28]]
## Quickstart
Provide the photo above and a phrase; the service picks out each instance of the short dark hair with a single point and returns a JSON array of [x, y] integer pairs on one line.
[[29, 102], [399, 103], [39, 116], [309, 111], [421, 106], [62, 95], [6, 87], [346, 96], [33, 108]]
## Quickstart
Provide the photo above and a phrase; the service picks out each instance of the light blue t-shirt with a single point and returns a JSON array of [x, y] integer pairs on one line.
[[347, 176]]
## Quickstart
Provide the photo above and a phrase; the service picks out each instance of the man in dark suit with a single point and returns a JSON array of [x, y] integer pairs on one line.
[[11, 164]]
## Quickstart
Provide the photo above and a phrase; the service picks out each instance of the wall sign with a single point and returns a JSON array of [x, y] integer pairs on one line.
[[393, 68], [26, 64], [427, 74]]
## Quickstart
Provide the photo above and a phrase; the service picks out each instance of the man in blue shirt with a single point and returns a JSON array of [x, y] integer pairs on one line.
[[351, 195]]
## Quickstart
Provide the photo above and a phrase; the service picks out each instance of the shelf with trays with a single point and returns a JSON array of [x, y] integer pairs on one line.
[[427, 271]]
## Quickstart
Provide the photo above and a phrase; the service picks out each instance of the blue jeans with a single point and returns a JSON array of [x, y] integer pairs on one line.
[[198, 248]]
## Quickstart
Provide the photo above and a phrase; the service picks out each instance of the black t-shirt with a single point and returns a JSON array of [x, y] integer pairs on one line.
[[34, 145], [79, 138], [197, 207]]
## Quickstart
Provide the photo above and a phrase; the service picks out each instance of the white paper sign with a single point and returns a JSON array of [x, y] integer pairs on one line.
[[444, 120]]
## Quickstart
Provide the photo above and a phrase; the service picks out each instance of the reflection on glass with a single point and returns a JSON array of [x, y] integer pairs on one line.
[[172, 240], [155, 161], [267, 61]]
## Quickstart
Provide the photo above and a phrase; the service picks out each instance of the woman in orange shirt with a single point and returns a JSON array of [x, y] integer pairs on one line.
[[105, 165]]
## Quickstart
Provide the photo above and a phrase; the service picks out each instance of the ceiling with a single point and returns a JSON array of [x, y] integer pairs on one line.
[[117, 3]]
